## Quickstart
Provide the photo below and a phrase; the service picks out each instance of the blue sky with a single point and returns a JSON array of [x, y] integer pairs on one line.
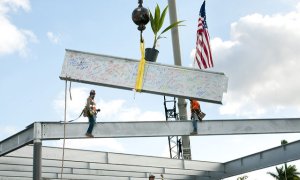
[[254, 43]]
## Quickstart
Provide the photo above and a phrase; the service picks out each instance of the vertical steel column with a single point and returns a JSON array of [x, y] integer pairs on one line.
[[37, 159], [177, 60], [37, 152]]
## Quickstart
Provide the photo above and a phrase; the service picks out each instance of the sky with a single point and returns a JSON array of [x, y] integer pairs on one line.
[[255, 43]]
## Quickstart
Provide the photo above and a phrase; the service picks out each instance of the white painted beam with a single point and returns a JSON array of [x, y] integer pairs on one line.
[[160, 79], [263, 159], [23, 165], [103, 164], [75, 160], [54, 130], [16, 141], [95, 159]]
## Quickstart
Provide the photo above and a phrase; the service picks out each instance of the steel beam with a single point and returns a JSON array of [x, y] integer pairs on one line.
[[263, 159], [78, 160], [52, 130], [21, 164], [16, 141], [158, 78], [249, 126], [95, 163]]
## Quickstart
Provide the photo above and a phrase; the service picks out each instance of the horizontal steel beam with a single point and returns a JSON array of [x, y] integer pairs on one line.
[[24, 165], [105, 162], [54, 130], [16, 141], [263, 159], [108, 162], [249, 126], [96, 159], [23, 174], [160, 79], [95, 163]]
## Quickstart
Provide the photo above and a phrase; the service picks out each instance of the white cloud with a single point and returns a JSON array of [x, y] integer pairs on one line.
[[217, 44], [74, 106], [14, 5], [54, 38], [113, 110], [165, 152], [262, 61], [192, 55], [14, 39], [119, 110]]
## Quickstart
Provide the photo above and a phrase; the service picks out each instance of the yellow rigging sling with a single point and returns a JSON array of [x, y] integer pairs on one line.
[[141, 69]]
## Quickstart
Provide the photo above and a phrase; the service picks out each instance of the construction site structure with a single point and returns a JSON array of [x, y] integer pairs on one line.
[[186, 147], [20, 161], [175, 142]]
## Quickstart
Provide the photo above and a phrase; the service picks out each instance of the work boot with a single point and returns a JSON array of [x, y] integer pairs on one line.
[[194, 133], [89, 135]]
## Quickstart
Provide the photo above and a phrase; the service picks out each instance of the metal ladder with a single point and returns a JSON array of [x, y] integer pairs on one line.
[[175, 142]]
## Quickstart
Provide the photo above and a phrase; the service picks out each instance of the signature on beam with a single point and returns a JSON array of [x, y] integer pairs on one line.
[[79, 63]]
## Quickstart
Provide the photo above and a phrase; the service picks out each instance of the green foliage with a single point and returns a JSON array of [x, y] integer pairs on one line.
[[283, 142], [242, 178], [157, 22], [290, 173]]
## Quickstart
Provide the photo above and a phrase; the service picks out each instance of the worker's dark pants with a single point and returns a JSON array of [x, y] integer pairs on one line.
[[195, 119], [92, 121]]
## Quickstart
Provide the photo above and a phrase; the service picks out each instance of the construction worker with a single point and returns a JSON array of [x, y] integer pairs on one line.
[[91, 113], [151, 177], [179, 144], [196, 114]]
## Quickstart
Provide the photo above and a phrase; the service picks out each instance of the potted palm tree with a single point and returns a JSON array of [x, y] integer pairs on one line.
[[157, 22]]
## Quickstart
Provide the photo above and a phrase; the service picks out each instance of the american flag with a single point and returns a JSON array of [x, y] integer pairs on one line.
[[203, 55]]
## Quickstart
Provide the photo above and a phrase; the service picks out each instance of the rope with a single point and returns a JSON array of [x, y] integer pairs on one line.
[[74, 119], [70, 91], [77, 117], [65, 119], [70, 86]]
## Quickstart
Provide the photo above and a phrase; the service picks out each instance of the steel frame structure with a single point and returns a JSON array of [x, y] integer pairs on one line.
[[40, 131], [175, 142]]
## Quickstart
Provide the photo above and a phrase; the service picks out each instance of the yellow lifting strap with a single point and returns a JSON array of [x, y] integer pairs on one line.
[[141, 69]]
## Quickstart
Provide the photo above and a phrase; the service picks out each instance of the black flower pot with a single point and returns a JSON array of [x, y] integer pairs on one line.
[[151, 54]]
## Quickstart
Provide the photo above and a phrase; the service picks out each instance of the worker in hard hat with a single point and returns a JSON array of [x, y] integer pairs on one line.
[[196, 114], [91, 113], [151, 177]]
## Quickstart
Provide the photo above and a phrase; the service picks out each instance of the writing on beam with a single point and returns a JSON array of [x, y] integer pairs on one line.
[[160, 79]]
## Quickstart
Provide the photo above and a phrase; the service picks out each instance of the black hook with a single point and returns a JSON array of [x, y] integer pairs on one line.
[[140, 16]]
